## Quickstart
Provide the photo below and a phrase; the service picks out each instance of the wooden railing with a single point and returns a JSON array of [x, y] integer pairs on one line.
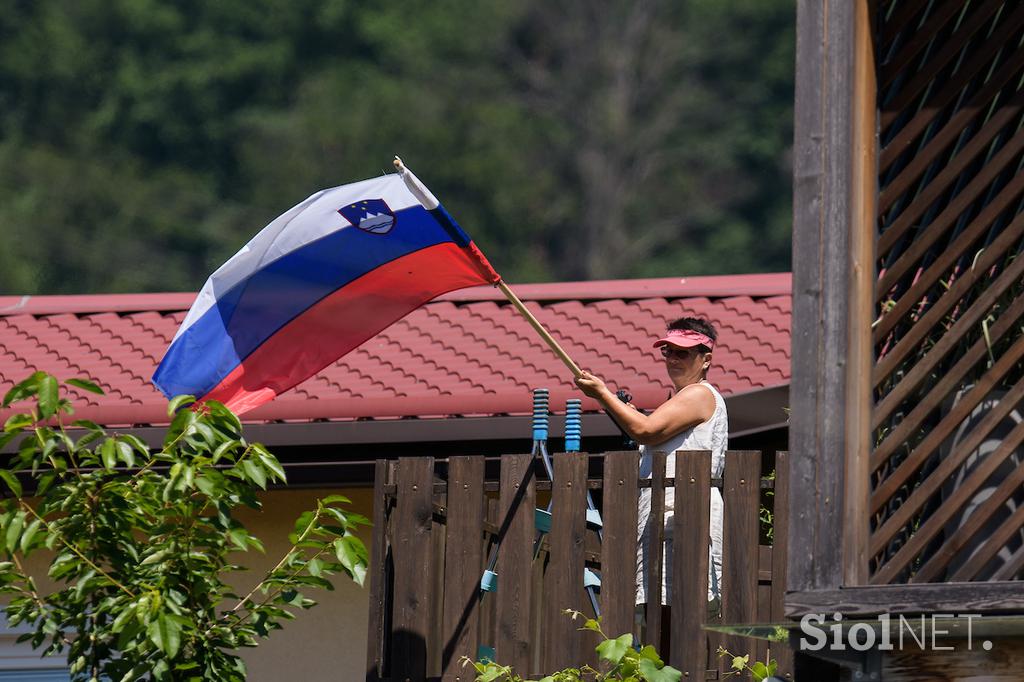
[[948, 380], [436, 523]]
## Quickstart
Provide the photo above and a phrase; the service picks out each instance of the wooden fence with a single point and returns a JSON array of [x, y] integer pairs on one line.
[[436, 523]]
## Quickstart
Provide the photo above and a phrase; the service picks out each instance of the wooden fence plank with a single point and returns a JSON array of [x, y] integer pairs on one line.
[[488, 606], [537, 593], [740, 541], [764, 599], [655, 534], [463, 563], [690, 543], [562, 642], [516, 505], [618, 547], [411, 547], [438, 543], [780, 548], [375, 649]]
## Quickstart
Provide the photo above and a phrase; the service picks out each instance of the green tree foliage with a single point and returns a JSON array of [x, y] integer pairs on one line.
[[139, 543], [572, 139]]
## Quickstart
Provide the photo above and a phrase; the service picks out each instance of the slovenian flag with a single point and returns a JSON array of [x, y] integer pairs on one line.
[[313, 285]]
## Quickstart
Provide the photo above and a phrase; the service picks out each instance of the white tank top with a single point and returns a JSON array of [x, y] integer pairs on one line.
[[711, 435]]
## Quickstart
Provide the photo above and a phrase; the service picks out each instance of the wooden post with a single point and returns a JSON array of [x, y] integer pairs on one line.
[[864, 179], [822, 195]]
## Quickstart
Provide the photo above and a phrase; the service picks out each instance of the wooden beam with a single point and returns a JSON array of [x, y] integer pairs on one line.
[[1002, 664], [986, 598], [822, 195], [863, 228]]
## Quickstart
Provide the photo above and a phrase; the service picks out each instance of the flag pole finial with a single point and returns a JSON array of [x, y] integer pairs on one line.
[[430, 202]]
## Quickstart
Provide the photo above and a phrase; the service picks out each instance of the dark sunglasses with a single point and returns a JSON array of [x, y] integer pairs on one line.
[[673, 352]]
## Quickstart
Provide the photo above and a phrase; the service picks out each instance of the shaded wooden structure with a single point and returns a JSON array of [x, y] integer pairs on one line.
[[436, 523], [908, 376]]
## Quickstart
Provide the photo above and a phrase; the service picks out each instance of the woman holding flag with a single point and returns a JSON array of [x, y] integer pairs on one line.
[[694, 418]]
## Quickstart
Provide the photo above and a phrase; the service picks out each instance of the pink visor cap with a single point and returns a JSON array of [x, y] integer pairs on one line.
[[684, 338]]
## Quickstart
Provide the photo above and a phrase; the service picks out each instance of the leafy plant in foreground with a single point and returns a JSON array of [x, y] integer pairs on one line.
[[625, 663], [139, 543], [738, 665]]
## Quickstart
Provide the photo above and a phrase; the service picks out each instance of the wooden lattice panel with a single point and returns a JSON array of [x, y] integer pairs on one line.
[[947, 470]]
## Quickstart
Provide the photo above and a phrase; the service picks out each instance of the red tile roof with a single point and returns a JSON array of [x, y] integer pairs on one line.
[[465, 354]]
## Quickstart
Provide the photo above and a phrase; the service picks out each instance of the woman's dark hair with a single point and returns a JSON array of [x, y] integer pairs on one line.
[[697, 324]]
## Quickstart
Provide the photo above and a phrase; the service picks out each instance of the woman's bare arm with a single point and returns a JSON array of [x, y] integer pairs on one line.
[[687, 408]]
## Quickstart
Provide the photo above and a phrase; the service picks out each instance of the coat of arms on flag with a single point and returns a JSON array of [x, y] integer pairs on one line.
[[371, 215], [306, 290]]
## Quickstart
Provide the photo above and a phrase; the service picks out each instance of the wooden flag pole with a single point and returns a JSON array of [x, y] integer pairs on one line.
[[535, 323], [427, 198]]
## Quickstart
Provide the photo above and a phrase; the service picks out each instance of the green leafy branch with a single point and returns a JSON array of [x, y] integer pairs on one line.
[[142, 542], [738, 665]]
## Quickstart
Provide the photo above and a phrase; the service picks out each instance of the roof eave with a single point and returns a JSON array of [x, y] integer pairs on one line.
[[750, 413]]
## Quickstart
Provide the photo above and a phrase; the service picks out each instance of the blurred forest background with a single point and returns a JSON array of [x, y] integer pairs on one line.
[[142, 142]]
